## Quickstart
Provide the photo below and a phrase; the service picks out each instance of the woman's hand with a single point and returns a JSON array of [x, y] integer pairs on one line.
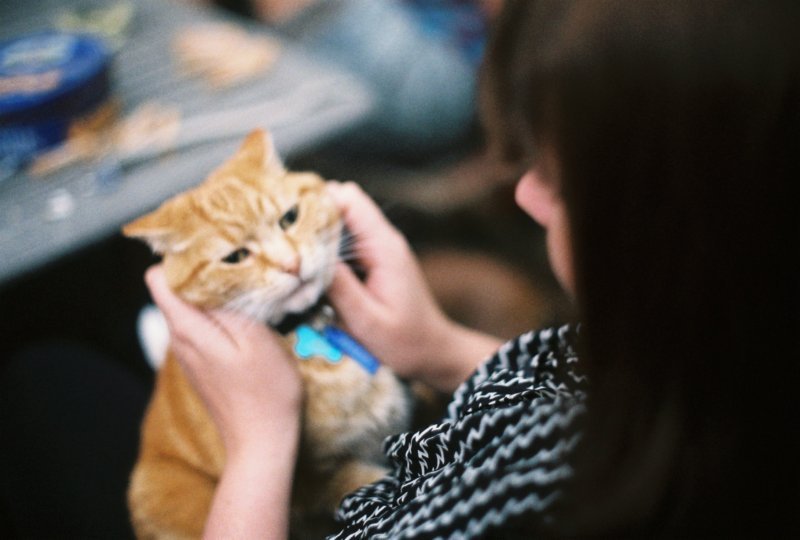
[[252, 388], [240, 368], [393, 312]]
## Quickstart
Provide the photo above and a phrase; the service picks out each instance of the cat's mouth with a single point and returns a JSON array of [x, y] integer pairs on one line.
[[303, 290], [301, 285]]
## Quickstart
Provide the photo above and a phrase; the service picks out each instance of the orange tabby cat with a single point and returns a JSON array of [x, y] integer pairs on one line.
[[260, 240]]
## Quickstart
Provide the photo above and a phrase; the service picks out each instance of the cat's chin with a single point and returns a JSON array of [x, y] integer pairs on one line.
[[303, 297]]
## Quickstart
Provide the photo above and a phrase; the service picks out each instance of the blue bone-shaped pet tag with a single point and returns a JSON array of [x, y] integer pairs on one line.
[[311, 343]]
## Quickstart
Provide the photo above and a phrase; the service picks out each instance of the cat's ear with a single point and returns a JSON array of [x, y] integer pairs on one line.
[[258, 150], [160, 228]]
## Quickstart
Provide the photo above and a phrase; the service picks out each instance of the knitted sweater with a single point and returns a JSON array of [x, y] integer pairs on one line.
[[495, 464]]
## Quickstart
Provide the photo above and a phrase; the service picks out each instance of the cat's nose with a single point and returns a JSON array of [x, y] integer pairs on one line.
[[291, 265]]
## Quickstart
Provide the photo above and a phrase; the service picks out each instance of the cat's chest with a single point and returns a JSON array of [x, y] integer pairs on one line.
[[348, 394], [334, 380]]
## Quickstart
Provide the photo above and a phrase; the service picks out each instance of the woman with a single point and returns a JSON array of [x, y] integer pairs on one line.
[[659, 141]]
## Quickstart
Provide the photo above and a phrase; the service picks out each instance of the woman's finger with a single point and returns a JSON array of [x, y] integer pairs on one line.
[[183, 320], [350, 297], [364, 219]]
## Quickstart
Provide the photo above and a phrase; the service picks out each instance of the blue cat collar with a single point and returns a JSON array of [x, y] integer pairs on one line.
[[332, 343], [352, 348]]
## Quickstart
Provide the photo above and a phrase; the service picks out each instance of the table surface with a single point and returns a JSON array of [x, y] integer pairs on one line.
[[300, 100]]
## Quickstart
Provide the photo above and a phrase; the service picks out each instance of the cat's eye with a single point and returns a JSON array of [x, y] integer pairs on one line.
[[235, 257], [289, 217]]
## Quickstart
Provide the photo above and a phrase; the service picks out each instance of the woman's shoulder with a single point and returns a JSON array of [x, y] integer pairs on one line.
[[537, 363]]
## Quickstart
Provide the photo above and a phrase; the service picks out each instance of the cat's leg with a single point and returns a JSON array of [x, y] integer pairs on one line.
[[158, 503], [180, 461]]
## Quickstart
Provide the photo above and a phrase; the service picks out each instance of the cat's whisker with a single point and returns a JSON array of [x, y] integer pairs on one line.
[[349, 257], [356, 244], [349, 246], [348, 238], [254, 304], [351, 242], [353, 252]]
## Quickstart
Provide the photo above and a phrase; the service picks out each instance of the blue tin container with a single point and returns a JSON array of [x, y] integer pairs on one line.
[[47, 80]]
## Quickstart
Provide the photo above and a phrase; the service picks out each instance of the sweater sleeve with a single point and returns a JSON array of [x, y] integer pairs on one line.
[[547, 358], [496, 465]]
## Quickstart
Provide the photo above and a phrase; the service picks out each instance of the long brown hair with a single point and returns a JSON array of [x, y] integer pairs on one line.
[[676, 125]]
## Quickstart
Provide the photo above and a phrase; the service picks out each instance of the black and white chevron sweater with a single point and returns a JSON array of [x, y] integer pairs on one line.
[[495, 464]]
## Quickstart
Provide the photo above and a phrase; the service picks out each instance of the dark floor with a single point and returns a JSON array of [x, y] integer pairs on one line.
[[73, 382], [91, 296]]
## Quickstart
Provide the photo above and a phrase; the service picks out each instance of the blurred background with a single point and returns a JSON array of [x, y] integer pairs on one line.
[[109, 107]]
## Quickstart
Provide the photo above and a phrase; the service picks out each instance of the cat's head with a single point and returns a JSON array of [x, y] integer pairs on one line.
[[253, 237]]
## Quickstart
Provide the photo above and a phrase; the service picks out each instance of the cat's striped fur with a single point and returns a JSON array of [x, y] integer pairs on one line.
[[261, 240]]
